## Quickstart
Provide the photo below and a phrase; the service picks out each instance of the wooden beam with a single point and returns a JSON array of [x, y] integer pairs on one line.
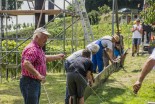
[[30, 12], [103, 76]]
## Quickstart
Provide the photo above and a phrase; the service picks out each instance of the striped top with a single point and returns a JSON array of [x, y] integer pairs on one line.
[[36, 56]]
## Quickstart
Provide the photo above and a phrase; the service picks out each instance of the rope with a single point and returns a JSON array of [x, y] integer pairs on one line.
[[55, 66], [49, 102], [65, 28], [90, 87], [124, 86], [26, 39], [31, 35]]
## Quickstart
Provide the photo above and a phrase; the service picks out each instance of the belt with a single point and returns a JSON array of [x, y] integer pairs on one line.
[[29, 78]]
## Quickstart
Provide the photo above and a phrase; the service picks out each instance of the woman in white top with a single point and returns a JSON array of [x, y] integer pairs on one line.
[[136, 37]]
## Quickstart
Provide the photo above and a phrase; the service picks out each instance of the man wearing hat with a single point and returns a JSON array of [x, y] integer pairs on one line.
[[101, 58], [33, 65], [119, 46], [136, 37]]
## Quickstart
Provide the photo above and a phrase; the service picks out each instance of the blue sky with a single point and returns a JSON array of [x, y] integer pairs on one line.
[[30, 19]]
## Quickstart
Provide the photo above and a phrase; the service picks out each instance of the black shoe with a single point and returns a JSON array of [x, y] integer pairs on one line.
[[94, 71], [137, 54]]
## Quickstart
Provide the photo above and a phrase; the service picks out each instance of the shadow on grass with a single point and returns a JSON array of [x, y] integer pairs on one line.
[[135, 70], [106, 94]]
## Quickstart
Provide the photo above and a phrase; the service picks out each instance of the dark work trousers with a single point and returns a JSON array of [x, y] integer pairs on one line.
[[30, 89], [67, 64]]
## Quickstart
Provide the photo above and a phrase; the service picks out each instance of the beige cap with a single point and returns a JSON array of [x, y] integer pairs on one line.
[[116, 37], [41, 30]]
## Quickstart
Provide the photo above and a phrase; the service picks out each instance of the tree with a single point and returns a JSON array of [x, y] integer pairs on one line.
[[9, 27], [11, 4], [94, 17], [24, 25], [94, 4], [18, 26], [104, 9], [70, 8], [31, 24], [28, 24], [148, 13]]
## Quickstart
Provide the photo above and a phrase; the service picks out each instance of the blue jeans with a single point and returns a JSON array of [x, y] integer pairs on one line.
[[67, 64], [67, 95], [30, 89], [136, 41]]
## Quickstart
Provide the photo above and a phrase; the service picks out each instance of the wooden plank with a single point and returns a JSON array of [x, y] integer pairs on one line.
[[103, 76], [151, 102], [30, 12]]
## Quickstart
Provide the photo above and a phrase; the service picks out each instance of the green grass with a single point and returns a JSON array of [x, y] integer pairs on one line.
[[55, 88], [117, 89]]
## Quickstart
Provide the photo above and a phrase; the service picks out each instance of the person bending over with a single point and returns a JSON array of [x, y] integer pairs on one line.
[[79, 73]]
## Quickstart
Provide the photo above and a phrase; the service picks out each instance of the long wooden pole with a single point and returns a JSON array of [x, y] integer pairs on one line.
[[116, 12], [1, 46], [113, 8], [50, 6], [40, 17]]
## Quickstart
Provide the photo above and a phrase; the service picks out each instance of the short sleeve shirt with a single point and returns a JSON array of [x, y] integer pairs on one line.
[[82, 65], [152, 56], [75, 55], [107, 42], [36, 56], [136, 33]]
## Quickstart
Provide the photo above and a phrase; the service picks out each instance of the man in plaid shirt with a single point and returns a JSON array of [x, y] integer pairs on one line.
[[33, 65]]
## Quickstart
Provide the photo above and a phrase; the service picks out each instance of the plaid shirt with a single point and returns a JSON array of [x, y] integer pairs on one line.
[[36, 56]]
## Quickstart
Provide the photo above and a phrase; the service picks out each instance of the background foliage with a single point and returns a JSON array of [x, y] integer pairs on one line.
[[94, 4], [11, 4], [149, 13]]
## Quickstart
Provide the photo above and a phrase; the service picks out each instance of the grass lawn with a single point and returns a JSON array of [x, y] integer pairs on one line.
[[54, 87], [117, 89]]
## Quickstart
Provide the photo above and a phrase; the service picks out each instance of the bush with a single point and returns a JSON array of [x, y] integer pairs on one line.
[[94, 17]]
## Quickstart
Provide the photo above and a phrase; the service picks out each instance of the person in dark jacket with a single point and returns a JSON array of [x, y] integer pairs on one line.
[[79, 73], [93, 48]]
